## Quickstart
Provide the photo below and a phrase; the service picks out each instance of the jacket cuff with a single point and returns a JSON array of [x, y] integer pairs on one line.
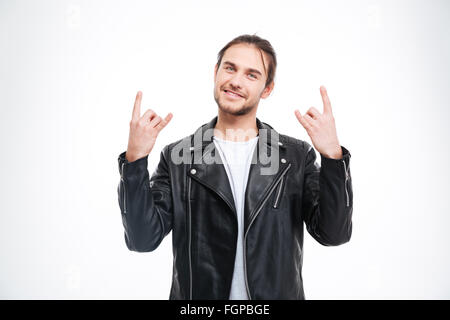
[[127, 169], [337, 164]]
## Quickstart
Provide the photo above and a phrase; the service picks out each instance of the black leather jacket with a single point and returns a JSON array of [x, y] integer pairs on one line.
[[194, 201]]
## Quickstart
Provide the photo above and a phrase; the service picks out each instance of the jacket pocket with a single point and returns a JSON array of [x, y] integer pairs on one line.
[[278, 193]]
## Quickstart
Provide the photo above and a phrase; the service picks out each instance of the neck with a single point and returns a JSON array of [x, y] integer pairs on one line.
[[236, 128]]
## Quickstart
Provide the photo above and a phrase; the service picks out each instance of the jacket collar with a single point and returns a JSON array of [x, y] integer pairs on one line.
[[269, 163], [208, 127]]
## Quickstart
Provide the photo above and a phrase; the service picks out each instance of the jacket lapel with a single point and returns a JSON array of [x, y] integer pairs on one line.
[[264, 173], [208, 171], [267, 166]]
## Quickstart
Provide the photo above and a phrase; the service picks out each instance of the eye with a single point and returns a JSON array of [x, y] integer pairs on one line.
[[253, 75], [228, 67]]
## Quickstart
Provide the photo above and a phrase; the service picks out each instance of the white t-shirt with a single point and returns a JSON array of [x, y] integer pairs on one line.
[[236, 158]]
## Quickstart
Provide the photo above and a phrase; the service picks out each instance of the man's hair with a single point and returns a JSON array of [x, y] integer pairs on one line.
[[259, 43]]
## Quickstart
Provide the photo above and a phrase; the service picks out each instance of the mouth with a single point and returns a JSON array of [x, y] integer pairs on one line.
[[233, 94]]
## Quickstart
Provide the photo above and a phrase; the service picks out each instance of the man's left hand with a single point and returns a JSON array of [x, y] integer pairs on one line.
[[321, 128]]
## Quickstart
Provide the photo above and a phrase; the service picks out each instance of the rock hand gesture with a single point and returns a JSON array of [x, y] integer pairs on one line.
[[321, 128], [143, 131]]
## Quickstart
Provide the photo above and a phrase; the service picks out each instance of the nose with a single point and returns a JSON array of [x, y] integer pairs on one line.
[[236, 81]]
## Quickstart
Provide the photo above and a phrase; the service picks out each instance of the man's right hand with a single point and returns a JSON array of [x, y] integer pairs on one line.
[[143, 131]]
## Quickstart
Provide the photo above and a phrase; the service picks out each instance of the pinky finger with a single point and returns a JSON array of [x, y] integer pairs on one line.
[[302, 120], [164, 122]]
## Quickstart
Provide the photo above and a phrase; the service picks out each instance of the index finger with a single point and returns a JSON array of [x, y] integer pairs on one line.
[[137, 106], [325, 99]]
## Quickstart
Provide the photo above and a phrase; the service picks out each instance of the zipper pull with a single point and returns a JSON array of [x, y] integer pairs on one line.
[[124, 191], [278, 194], [345, 183]]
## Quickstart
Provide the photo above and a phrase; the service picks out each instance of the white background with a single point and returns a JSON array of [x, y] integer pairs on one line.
[[69, 72]]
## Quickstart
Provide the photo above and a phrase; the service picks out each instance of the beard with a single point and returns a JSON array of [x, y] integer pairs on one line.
[[228, 108]]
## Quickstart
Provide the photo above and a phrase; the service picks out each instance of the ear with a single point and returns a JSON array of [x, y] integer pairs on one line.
[[267, 90]]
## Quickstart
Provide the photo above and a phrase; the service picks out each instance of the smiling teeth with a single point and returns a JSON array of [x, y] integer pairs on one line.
[[234, 94]]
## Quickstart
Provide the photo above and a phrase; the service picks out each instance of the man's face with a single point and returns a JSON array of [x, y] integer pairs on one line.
[[242, 72]]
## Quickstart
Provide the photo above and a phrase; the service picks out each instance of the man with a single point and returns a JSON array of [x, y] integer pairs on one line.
[[237, 226]]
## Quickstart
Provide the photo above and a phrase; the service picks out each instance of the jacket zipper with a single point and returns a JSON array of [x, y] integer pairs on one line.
[[190, 227], [275, 205], [345, 184], [124, 192], [251, 222], [190, 235], [189, 207]]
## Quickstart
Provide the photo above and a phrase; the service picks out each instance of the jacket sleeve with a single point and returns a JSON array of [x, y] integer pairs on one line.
[[327, 202], [145, 204]]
